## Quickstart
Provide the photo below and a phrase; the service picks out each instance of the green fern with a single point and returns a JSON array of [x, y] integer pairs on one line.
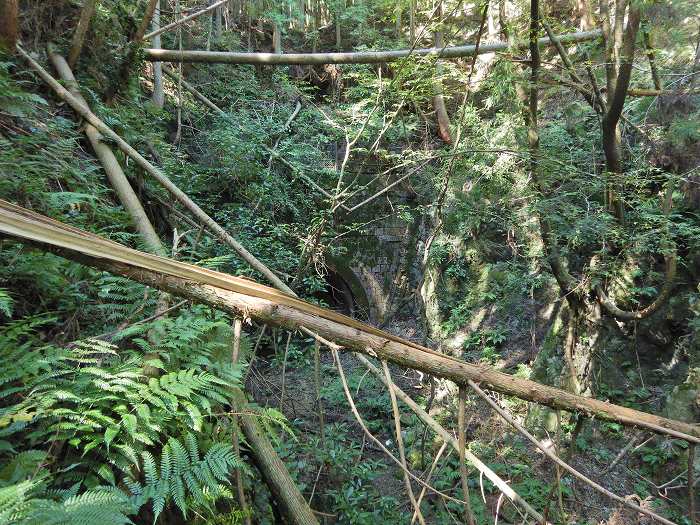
[[6, 303], [183, 476]]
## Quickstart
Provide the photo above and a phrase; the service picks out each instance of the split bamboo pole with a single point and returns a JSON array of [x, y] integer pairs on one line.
[[243, 297]]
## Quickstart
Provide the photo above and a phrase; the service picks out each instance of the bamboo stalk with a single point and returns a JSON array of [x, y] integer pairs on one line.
[[363, 57], [158, 175]]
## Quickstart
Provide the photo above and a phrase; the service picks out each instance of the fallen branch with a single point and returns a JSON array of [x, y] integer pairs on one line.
[[363, 57], [247, 298]]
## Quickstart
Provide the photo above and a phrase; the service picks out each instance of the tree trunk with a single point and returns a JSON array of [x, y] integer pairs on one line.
[[242, 297], [9, 24], [81, 31], [277, 38], [443, 119], [158, 94]]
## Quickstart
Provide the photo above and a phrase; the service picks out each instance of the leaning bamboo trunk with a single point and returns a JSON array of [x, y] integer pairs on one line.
[[243, 297], [117, 179], [84, 111], [285, 491], [363, 57]]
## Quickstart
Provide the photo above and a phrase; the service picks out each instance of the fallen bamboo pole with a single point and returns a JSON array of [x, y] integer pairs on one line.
[[243, 297], [84, 111], [183, 20], [360, 57], [113, 170]]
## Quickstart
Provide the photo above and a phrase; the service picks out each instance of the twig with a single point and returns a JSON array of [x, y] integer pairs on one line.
[[547, 452], [499, 483], [177, 23], [691, 483], [376, 441], [461, 432], [399, 443], [429, 475], [284, 367], [319, 401]]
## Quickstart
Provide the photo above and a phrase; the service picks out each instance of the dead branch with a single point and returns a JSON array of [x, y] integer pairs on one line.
[[551, 455], [399, 444]]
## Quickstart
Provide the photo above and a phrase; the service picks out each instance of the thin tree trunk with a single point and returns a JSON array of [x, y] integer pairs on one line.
[[158, 93], [336, 18], [121, 78], [319, 400], [276, 38], [81, 31], [443, 118], [9, 24], [244, 297], [461, 432], [651, 55], [275, 474], [412, 23], [235, 353]]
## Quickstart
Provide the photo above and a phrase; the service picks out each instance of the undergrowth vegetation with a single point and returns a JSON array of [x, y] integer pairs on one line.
[[116, 400]]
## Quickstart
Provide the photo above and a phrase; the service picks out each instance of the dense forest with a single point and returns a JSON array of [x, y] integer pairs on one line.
[[349, 262]]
